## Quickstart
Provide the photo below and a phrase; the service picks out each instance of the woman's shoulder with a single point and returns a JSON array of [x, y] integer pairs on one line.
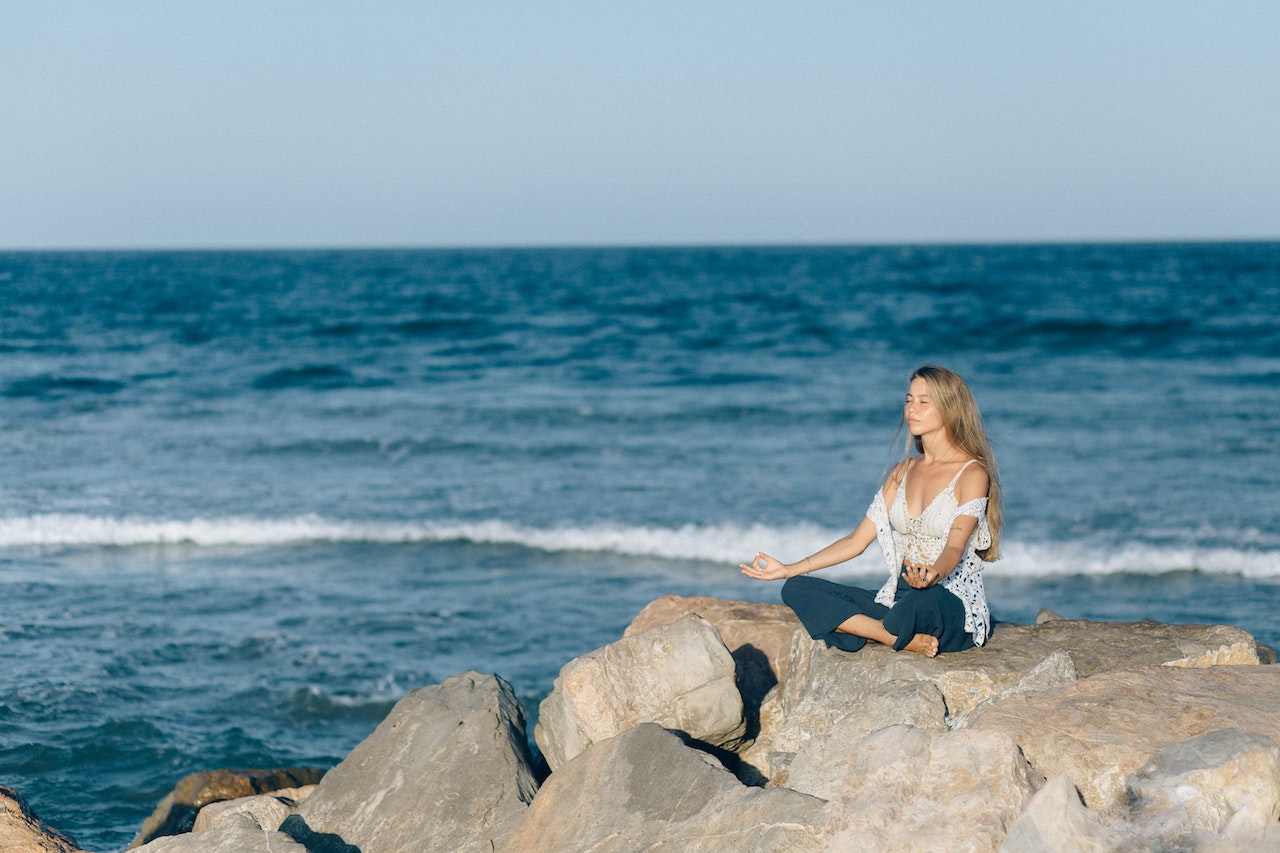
[[973, 482]]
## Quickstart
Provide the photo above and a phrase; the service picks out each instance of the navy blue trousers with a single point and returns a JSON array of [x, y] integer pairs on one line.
[[822, 606]]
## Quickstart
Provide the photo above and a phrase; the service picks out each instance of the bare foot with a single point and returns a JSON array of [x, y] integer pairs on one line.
[[923, 644]]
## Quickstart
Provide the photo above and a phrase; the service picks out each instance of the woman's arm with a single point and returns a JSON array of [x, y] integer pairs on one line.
[[767, 568]]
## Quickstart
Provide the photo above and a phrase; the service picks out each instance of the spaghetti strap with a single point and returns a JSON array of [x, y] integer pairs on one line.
[[951, 486]]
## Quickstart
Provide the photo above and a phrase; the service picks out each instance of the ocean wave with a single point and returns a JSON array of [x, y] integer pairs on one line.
[[724, 543]]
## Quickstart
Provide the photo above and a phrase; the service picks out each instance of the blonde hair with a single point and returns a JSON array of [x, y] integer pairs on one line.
[[963, 422]]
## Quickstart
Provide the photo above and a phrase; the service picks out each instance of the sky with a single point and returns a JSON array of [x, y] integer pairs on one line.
[[312, 123]]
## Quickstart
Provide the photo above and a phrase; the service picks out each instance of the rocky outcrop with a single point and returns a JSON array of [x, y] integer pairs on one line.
[[448, 769], [679, 675], [721, 726], [22, 832], [176, 813], [645, 789]]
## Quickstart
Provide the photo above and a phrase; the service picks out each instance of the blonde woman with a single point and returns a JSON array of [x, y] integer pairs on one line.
[[937, 519]]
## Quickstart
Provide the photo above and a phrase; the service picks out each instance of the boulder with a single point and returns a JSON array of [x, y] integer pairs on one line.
[[678, 675], [239, 833], [1103, 728], [1224, 781], [22, 832], [825, 684], [823, 757], [268, 810], [177, 812], [448, 769], [905, 789], [1056, 821], [645, 789]]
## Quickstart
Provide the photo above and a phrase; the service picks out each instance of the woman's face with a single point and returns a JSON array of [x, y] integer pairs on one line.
[[921, 414]]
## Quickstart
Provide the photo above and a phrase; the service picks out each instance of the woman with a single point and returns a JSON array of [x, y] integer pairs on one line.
[[937, 518]]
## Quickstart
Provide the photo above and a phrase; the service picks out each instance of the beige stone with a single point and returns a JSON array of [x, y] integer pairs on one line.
[[21, 831], [1101, 729], [1056, 821], [906, 790], [679, 675]]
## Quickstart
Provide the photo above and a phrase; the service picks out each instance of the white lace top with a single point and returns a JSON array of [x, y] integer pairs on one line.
[[921, 538]]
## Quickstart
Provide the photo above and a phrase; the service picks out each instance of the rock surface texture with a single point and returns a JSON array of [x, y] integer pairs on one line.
[[721, 726]]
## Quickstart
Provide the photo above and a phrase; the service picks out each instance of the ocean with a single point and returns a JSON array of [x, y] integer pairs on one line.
[[250, 499]]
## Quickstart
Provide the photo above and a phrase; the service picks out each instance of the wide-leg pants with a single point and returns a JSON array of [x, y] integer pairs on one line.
[[822, 606]]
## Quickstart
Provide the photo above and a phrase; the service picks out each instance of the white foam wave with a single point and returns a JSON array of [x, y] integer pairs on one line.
[[727, 543]]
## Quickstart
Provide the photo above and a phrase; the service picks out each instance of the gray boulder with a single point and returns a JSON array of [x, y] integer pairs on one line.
[[448, 769], [645, 789], [678, 675], [239, 833], [267, 810], [1056, 821]]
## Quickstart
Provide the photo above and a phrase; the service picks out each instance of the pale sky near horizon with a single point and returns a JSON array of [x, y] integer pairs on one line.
[[312, 123]]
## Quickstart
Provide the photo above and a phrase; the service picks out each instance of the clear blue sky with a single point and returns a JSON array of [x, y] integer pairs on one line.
[[472, 123]]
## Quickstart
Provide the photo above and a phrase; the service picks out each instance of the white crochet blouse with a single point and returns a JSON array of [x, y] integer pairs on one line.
[[921, 539]]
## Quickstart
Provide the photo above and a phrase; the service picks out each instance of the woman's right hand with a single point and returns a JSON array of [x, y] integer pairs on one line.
[[765, 568]]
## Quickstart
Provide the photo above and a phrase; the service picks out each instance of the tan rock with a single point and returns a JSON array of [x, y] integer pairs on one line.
[[1056, 821], [267, 810], [21, 831], [678, 675], [1226, 780], [907, 790], [646, 790], [1102, 729]]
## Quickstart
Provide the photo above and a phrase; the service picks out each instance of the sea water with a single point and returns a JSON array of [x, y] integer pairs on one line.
[[250, 499]]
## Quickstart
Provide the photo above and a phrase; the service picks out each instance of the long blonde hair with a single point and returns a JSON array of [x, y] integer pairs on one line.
[[963, 422]]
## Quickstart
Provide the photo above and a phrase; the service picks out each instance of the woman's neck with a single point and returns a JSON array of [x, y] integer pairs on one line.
[[938, 449]]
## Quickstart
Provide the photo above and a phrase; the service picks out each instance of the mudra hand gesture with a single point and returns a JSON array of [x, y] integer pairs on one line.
[[919, 575], [764, 568]]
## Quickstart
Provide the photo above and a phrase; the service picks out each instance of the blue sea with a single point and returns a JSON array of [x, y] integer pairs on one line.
[[250, 499]]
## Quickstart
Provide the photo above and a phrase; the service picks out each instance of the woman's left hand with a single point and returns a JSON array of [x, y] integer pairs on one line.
[[919, 575]]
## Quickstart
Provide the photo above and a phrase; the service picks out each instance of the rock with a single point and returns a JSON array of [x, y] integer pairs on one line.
[[1017, 659], [1056, 821], [1226, 780], [448, 769], [823, 755], [1048, 616], [908, 790], [22, 832], [645, 789], [239, 833], [1105, 727], [679, 676], [757, 635], [176, 813], [268, 810]]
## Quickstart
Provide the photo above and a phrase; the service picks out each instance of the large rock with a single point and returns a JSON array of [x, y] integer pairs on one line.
[[1101, 729], [21, 831], [448, 769], [825, 684], [240, 833], [1223, 782], [176, 813], [267, 810], [905, 789], [679, 676], [757, 635], [1056, 821], [646, 790], [821, 762]]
